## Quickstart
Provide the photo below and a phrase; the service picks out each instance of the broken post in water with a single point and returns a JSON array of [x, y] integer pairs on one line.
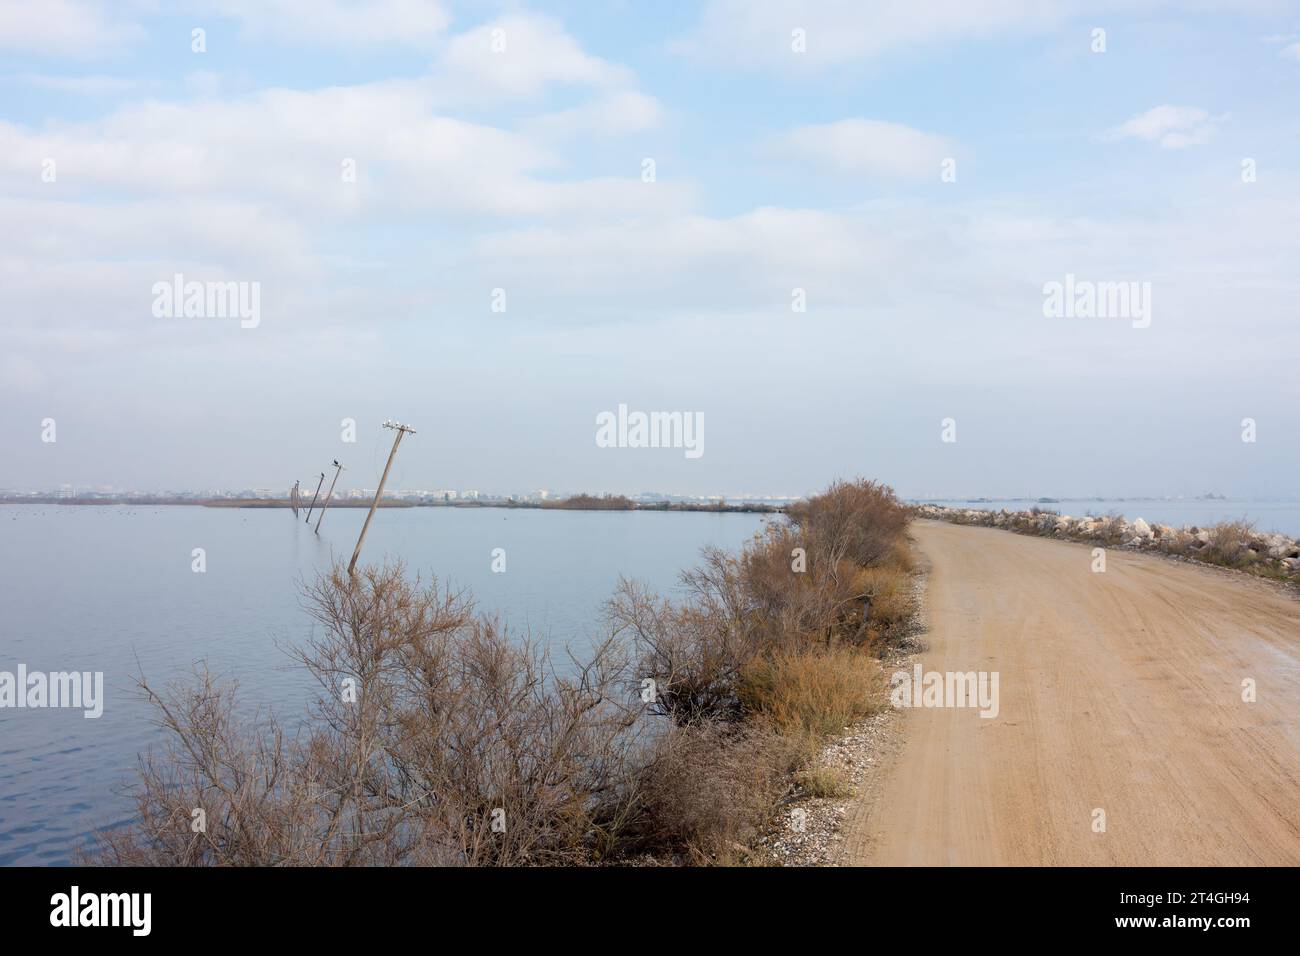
[[293, 499], [313, 497], [397, 440], [329, 494]]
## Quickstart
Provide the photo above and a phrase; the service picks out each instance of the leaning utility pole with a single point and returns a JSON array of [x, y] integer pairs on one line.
[[329, 494], [313, 497], [397, 440]]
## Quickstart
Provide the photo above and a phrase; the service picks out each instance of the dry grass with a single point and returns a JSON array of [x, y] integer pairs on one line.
[[1228, 544], [817, 691], [1110, 529], [887, 591], [824, 783]]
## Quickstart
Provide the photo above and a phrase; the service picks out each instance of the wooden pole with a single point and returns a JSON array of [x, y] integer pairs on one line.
[[313, 497], [328, 495], [293, 499], [401, 431]]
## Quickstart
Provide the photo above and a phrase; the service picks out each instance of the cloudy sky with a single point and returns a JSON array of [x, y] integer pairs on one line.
[[497, 220]]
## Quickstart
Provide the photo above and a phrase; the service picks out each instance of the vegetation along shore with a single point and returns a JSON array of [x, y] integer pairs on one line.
[[441, 737]]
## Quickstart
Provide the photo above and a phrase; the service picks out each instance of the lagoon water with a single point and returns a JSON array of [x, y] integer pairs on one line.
[[111, 589]]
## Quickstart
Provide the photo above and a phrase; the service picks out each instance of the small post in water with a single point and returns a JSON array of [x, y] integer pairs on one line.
[[313, 497], [329, 494]]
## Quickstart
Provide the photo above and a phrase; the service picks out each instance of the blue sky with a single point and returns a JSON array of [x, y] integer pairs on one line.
[[521, 169]]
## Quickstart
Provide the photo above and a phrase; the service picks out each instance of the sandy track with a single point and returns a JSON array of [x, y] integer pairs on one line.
[[1119, 691]]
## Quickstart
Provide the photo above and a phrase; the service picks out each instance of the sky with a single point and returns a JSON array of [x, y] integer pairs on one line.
[[824, 229]]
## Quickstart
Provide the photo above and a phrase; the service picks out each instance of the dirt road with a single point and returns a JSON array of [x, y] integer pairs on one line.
[[1119, 692]]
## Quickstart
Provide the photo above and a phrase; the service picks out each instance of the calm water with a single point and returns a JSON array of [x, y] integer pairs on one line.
[[1281, 516], [102, 588]]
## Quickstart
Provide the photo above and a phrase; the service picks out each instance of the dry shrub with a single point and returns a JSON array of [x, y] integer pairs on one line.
[[1228, 544], [710, 788], [849, 584], [859, 520], [693, 653], [888, 595], [788, 608], [814, 691], [1110, 529], [454, 726]]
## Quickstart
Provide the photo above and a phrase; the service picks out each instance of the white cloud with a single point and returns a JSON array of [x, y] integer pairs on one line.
[[251, 187], [624, 111], [863, 145], [520, 57], [1173, 127], [1291, 52], [349, 23], [73, 28], [91, 85], [759, 32], [286, 147]]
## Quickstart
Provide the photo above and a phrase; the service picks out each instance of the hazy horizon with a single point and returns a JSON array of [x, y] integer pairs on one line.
[[447, 213]]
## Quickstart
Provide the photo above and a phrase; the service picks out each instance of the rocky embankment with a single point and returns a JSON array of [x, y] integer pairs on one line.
[[1230, 544]]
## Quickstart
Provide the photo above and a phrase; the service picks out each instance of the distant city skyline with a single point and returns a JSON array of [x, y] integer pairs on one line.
[[470, 495]]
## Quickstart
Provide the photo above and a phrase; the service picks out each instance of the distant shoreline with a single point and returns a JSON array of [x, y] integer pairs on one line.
[[557, 505]]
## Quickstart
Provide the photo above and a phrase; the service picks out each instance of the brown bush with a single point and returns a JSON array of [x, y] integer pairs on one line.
[[1228, 544], [1110, 529], [816, 691], [887, 591], [859, 520], [437, 738], [746, 608], [693, 653], [822, 603], [710, 788]]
